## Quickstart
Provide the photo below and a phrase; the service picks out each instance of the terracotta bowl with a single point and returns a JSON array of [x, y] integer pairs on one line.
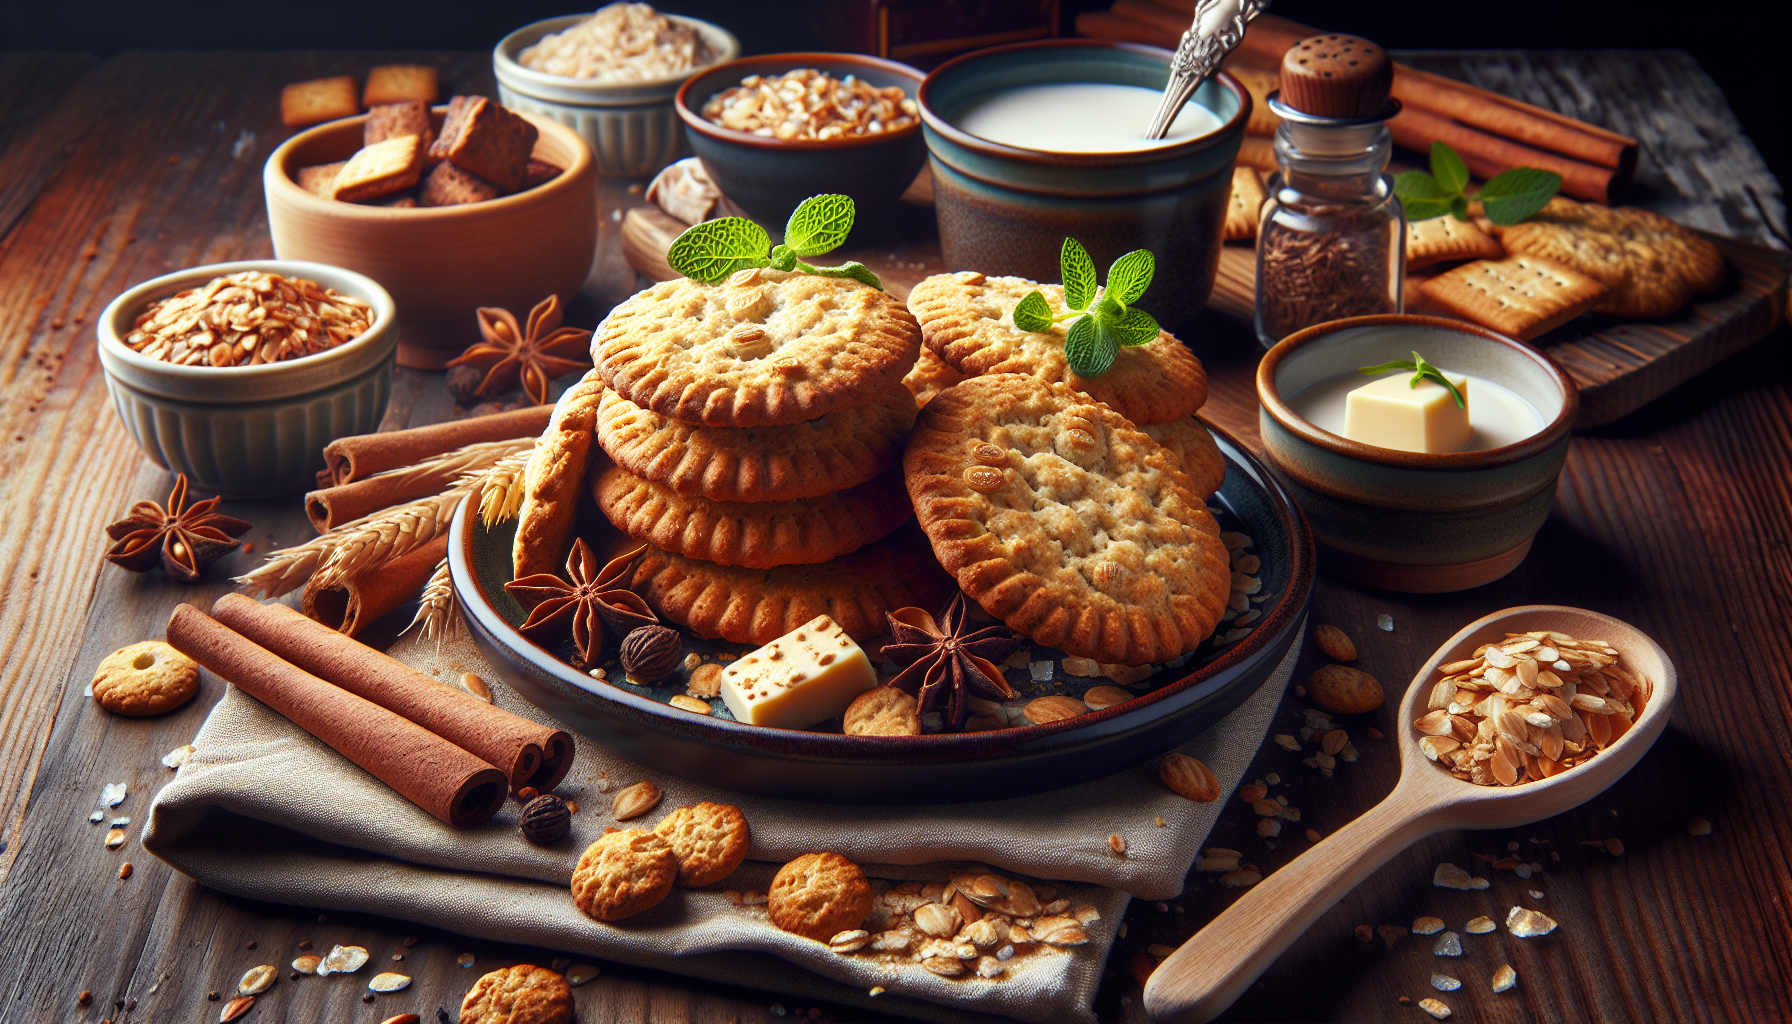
[[1410, 521], [441, 264]]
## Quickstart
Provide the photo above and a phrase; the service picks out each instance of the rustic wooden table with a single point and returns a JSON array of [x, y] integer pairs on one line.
[[1678, 519]]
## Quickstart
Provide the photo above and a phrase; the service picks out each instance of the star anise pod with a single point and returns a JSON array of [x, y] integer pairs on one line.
[[948, 661], [510, 354], [184, 538], [583, 602]]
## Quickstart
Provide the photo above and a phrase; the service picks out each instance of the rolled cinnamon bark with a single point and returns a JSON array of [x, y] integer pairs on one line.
[[349, 459], [1487, 155], [1510, 119], [531, 754], [455, 786], [331, 507], [350, 605]]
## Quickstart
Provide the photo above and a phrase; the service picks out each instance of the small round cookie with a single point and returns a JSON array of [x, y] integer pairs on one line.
[[930, 376], [623, 873], [784, 463], [145, 678], [757, 606], [753, 534], [1191, 442], [1063, 520], [763, 348], [524, 994], [709, 839], [882, 711], [819, 895], [968, 319]]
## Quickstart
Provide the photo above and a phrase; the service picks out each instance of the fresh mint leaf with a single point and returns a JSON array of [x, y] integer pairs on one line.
[[1107, 307], [1376, 371], [1518, 194], [1078, 273], [1459, 207], [1034, 314], [1137, 327], [1088, 349], [1447, 168], [819, 225], [783, 257], [855, 270], [1131, 275], [712, 250], [1421, 196], [1426, 370]]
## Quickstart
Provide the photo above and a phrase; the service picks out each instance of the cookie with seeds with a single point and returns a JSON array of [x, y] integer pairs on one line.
[[753, 534], [930, 376], [1446, 239], [1193, 444], [757, 606], [1246, 203], [782, 463], [524, 994], [763, 348], [818, 896], [1066, 522], [145, 678], [1651, 265], [967, 319], [1522, 296], [623, 874], [710, 840]]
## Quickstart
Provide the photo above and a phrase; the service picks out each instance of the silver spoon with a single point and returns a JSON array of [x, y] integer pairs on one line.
[[1218, 27]]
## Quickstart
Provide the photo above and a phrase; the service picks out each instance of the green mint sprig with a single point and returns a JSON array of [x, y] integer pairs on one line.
[[1102, 324], [712, 250], [1422, 370], [1509, 197]]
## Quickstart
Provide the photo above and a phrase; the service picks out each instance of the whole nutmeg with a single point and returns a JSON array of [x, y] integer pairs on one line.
[[1343, 690], [546, 819], [650, 653]]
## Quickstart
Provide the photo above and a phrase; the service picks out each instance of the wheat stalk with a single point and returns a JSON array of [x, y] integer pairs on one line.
[[437, 610], [501, 489], [451, 465]]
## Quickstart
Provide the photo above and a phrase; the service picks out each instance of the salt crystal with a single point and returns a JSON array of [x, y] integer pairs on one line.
[[1041, 671], [1504, 978], [1435, 1008], [1385, 621], [113, 794], [1428, 925], [1449, 876], [1445, 983], [1528, 924], [343, 960], [1447, 944], [178, 756]]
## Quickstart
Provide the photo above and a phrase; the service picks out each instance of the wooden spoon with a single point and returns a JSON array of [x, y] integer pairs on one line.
[[1201, 979]]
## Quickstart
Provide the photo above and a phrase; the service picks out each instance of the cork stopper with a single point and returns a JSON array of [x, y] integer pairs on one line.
[[1337, 76]]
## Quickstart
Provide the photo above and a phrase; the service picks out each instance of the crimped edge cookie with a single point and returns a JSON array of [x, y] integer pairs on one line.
[[551, 481], [967, 319], [1192, 443], [1124, 602], [930, 376], [752, 534], [781, 463]]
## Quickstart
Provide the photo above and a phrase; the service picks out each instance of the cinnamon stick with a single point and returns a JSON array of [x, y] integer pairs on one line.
[[331, 507], [530, 753], [455, 786], [1487, 155], [349, 459], [1511, 119], [352, 604]]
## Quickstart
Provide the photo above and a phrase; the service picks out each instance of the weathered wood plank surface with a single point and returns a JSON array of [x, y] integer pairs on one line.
[[1678, 518]]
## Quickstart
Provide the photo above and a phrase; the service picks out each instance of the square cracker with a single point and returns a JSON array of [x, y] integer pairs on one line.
[[396, 83], [491, 142], [1445, 239], [381, 169], [451, 125], [1520, 296], [1246, 203], [319, 100], [448, 185], [320, 179], [390, 120]]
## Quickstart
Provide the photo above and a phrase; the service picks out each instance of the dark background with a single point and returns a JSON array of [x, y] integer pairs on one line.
[[1740, 44]]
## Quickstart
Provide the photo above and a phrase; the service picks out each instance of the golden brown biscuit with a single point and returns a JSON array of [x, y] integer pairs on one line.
[[1443, 239], [757, 606], [1652, 265], [1192, 443], [1522, 296], [930, 376], [763, 348], [1063, 520], [551, 481], [796, 460], [145, 678], [882, 711], [968, 320], [321, 99], [396, 83], [380, 169], [524, 994], [623, 873], [754, 534], [819, 895], [1246, 203], [709, 839]]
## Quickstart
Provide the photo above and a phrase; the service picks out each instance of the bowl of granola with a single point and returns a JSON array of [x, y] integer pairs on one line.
[[774, 130], [611, 77]]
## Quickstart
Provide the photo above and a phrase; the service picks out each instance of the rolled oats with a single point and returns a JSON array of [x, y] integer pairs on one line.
[[620, 43], [248, 318], [810, 105]]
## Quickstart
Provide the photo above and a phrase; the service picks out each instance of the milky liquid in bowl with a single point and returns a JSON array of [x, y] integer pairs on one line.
[[1498, 415], [1077, 117]]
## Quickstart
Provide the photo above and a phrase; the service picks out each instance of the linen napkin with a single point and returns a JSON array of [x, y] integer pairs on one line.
[[263, 810]]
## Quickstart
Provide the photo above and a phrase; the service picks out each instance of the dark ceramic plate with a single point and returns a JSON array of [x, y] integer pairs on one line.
[[635, 721]]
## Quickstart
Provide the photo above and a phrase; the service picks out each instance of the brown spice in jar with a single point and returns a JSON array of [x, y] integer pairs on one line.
[[1306, 277]]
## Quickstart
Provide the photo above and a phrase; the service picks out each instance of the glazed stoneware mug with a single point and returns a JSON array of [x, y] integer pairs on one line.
[[1416, 522]]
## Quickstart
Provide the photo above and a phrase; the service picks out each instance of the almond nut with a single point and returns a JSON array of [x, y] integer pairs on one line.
[[1334, 642], [1188, 778], [635, 801]]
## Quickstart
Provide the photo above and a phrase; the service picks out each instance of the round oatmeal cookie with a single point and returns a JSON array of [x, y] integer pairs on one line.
[[763, 348], [1191, 442], [930, 376], [709, 839], [753, 534], [819, 895], [524, 994], [145, 678], [623, 873], [968, 320], [1652, 265], [757, 606], [783, 463], [882, 711], [1065, 521]]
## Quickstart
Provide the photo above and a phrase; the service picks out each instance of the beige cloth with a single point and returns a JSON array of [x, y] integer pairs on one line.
[[264, 810]]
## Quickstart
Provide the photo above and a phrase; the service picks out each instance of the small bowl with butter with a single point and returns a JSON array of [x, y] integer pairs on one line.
[[1412, 484]]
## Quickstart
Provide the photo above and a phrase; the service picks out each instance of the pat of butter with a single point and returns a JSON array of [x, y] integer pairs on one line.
[[803, 677], [1389, 413]]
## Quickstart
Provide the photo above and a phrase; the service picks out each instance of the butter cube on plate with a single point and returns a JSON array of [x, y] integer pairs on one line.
[[806, 676], [1390, 413]]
